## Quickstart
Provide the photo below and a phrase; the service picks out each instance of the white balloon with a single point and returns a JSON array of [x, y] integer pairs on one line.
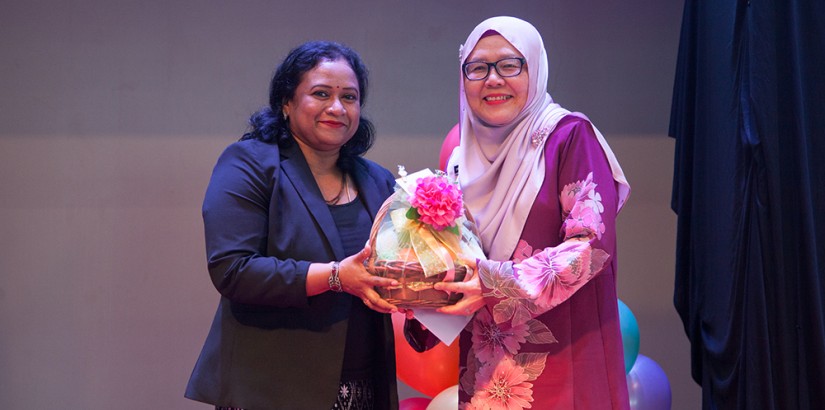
[[446, 400]]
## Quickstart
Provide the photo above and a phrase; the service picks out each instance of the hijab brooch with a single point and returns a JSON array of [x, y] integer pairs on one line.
[[538, 136]]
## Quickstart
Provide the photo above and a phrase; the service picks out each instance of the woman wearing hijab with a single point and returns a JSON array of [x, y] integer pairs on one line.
[[545, 189]]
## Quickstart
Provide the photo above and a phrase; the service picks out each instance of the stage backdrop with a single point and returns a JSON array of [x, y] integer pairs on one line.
[[748, 119]]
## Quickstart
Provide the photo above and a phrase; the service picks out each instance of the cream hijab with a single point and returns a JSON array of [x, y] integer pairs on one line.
[[514, 153]]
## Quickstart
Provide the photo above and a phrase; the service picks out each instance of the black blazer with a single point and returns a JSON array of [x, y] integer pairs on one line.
[[270, 346]]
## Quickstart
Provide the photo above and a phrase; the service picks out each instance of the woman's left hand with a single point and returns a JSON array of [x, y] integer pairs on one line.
[[356, 281], [472, 300]]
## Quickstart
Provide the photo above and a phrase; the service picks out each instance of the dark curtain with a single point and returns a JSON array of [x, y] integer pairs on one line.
[[748, 117]]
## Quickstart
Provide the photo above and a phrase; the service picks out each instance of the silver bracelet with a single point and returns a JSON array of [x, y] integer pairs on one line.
[[334, 281]]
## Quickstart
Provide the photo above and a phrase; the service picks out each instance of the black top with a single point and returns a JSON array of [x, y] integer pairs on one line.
[[354, 223]]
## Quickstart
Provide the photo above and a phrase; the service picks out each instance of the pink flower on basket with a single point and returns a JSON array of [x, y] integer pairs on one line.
[[437, 201]]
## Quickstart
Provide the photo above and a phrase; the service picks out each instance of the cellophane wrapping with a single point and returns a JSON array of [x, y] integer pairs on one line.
[[423, 235]]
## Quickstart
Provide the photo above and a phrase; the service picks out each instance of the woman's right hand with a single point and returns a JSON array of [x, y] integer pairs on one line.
[[356, 281], [470, 288]]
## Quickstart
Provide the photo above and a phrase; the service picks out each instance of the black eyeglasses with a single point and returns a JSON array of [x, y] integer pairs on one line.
[[506, 67]]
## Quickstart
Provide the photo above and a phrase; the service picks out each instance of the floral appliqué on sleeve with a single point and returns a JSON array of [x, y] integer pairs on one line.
[[581, 209], [497, 374]]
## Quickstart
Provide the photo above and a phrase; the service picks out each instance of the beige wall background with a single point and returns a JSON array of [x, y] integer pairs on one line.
[[112, 114]]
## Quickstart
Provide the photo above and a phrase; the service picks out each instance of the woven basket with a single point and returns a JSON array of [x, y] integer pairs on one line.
[[414, 289]]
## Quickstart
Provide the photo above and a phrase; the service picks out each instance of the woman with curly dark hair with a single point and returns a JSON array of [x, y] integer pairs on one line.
[[299, 324]]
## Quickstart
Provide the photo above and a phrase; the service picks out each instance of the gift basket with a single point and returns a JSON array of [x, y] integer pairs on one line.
[[422, 235]]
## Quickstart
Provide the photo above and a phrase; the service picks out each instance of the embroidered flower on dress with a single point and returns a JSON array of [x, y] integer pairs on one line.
[[523, 251], [577, 191], [467, 375], [582, 208], [594, 199], [583, 221], [437, 201], [502, 385], [491, 342], [548, 276]]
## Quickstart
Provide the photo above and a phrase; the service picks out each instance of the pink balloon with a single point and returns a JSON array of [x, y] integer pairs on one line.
[[450, 142], [648, 386], [414, 403]]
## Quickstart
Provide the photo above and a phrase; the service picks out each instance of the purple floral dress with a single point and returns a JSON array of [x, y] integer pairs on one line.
[[549, 337]]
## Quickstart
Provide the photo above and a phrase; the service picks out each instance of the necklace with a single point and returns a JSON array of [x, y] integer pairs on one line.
[[344, 187]]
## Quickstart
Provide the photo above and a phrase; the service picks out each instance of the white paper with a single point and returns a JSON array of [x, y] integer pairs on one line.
[[408, 182], [445, 327]]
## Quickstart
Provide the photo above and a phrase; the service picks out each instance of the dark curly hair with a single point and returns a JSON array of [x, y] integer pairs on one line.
[[268, 124]]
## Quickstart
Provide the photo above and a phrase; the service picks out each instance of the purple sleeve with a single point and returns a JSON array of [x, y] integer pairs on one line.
[[520, 291]]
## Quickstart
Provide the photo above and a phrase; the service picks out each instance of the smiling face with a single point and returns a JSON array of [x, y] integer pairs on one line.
[[324, 112], [496, 100]]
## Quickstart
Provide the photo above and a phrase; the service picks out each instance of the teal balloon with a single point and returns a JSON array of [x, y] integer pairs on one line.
[[630, 336]]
